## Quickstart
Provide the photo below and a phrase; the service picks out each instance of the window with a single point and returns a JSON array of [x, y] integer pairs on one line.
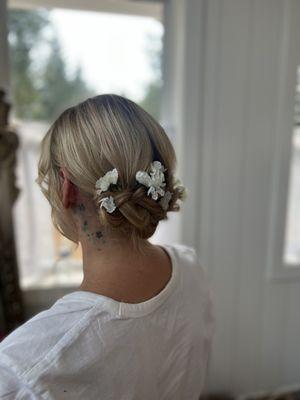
[[283, 257], [52, 68], [284, 245], [292, 237]]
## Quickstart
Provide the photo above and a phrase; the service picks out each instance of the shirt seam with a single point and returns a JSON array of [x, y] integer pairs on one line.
[[58, 345], [22, 381]]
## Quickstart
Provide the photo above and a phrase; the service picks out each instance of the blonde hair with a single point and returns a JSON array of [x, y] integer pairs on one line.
[[93, 137]]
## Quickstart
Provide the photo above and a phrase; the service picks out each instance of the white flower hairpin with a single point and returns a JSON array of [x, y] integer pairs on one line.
[[102, 185], [108, 203], [155, 181]]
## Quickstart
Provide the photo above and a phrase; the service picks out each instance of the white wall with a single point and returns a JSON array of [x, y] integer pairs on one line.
[[234, 51]]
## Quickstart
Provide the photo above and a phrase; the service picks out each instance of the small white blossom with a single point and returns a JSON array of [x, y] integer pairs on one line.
[[155, 181], [143, 178], [103, 183], [181, 188], [157, 166], [183, 191], [108, 203], [154, 192]]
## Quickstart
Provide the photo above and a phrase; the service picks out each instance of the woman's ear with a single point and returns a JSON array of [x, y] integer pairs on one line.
[[69, 190]]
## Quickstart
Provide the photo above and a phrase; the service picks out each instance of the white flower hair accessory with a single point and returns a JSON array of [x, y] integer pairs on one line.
[[108, 203], [155, 181], [182, 189], [103, 183]]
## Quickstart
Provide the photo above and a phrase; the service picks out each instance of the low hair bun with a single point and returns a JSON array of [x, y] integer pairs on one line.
[[134, 211]]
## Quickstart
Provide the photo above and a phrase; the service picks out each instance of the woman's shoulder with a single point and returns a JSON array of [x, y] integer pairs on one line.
[[196, 281], [38, 347], [181, 250], [185, 255], [24, 348]]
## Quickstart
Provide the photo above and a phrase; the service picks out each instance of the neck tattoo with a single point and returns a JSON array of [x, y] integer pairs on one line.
[[96, 236]]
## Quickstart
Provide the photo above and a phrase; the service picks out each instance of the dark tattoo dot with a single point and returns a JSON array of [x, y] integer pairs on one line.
[[81, 207], [85, 224], [99, 234]]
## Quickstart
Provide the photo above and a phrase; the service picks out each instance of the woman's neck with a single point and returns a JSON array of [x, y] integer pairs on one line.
[[119, 272], [112, 266]]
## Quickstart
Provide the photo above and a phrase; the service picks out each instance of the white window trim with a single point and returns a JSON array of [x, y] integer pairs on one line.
[[277, 270], [147, 8]]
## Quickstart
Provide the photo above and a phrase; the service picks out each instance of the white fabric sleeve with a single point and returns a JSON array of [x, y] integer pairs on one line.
[[12, 387]]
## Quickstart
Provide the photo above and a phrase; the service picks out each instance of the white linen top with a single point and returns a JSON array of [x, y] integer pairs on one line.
[[89, 346]]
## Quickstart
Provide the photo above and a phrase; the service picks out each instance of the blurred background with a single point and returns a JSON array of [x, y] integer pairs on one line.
[[223, 78], [60, 57]]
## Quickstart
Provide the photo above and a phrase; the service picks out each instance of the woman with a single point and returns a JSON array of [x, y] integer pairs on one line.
[[140, 324]]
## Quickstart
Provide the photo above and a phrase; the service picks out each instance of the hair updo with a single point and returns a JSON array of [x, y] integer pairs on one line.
[[95, 136]]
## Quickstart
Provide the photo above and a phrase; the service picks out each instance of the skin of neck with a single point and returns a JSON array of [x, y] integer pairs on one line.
[[105, 256]]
